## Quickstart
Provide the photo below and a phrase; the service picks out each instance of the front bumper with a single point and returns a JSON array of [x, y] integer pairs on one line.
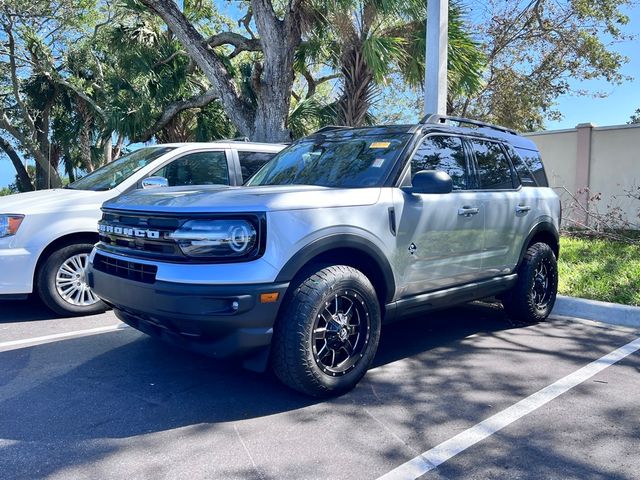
[[16, 272], [217, 320]]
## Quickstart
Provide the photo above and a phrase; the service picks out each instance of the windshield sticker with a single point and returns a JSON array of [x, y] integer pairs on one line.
[[377, 163], [380, 145]]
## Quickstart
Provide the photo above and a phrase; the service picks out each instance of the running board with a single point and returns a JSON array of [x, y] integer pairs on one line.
[[448, 297]]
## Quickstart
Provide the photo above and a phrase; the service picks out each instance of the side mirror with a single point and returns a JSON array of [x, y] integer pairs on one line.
[[155, 182], [431, 181]]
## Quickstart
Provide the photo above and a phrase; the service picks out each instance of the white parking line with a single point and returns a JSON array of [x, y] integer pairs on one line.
[[28, 342], [431, 459]]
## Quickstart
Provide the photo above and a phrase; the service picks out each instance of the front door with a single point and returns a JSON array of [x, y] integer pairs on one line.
[[440, 237]]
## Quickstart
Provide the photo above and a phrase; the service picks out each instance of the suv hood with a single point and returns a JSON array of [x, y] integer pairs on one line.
[[243, 199], [43, 201]]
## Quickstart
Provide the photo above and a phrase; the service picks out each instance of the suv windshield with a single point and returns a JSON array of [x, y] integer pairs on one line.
[[116, 172], [343, 161]]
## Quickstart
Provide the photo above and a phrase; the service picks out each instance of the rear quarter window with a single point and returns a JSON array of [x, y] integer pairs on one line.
[[528, 164], [251, 162]]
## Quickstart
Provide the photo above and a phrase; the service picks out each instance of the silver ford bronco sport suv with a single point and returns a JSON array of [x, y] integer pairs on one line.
[[342, 231]]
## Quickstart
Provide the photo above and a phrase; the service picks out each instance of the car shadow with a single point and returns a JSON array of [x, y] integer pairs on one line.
[[124, 384], [30, 310], [144, 385]]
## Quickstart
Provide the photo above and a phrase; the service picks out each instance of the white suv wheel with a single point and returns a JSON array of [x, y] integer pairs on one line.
[[71, 282]]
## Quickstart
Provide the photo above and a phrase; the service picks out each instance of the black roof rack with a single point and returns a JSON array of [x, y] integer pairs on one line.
[[440, 119]]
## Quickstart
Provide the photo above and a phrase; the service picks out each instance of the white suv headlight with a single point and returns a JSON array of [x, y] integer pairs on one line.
[[9, 224], [217, 238]]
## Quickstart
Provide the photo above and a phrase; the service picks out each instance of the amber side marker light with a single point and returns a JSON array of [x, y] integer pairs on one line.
[[14, 224], [269, 297]]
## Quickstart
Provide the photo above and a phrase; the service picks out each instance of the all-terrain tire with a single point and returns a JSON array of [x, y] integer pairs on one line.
[[532, 297], [297, 351], [48, 289]]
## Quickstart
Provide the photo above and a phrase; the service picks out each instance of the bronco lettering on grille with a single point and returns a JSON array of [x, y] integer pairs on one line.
[[128, 231]]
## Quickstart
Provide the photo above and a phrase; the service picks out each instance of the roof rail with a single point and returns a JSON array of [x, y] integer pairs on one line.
[[435, 118], [329, 128], [235, 139]]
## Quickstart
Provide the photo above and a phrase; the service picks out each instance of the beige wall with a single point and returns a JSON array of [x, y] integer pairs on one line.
[[604, 159]]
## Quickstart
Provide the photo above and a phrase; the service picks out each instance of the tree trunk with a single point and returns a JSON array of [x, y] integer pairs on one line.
[[107, 149], [117, 151], [239, 112], [24, 182], [47, 175], [85, 135], [273, 80], [68, 164], [357, 89]]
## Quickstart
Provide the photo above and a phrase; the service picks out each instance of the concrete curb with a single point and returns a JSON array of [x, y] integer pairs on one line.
[[604, 312]]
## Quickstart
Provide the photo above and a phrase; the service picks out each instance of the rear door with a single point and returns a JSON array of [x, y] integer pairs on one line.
[[202, 167], [506, 204], [439, 236]]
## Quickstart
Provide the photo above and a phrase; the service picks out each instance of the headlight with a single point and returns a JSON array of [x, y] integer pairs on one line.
[[9, 224], [217, 238]]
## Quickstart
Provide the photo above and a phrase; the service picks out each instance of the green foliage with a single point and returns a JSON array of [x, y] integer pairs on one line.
[[92, 73], [535, 49], [465, 60], [635, 118], [310, 114], [5, 191], [212, 124], [603, 270], [390, 36]]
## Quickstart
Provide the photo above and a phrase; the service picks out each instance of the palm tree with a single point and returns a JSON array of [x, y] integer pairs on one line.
[[368, 40]]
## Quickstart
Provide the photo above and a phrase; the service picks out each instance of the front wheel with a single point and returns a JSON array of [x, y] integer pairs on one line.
[[328, 332], [62, 283], [534, 294]]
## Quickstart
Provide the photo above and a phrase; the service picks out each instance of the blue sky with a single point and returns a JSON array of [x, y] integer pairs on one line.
[[615, 109], [622, 100]]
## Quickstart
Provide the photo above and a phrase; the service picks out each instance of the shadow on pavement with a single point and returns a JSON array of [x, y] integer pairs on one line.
[[122, 385], [24, 310]]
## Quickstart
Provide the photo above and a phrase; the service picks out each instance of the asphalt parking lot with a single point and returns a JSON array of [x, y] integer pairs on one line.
[[114, 403]]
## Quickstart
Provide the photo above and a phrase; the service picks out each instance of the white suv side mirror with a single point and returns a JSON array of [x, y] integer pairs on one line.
[[155, 182]]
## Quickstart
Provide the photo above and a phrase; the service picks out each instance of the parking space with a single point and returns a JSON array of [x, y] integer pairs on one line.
[[117, 404]]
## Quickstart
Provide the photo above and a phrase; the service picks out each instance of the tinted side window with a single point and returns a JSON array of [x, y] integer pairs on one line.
[[492, 165], [526, 177], [202, 168], [439, 152], [251, 162], [532, 162]]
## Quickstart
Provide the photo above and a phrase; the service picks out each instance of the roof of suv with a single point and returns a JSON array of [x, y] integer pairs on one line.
[[437, 124]]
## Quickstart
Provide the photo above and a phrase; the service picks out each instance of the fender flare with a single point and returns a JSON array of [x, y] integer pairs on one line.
[[544, 227], [340, 241]]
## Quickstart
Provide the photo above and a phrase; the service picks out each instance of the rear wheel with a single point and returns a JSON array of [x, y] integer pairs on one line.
[[62, 283], [328, 332], [534, 294]]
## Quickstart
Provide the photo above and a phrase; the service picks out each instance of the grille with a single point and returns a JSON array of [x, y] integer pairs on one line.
[[138, 272], [158, 247]]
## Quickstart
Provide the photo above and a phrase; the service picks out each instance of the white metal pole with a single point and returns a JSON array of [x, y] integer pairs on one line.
[[435, 79]]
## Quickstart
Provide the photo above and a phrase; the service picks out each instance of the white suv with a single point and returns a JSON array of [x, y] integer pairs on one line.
[[46, 236]]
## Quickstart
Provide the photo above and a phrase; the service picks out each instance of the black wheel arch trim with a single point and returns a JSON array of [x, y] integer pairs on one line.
[[544, 227], [335, 242]]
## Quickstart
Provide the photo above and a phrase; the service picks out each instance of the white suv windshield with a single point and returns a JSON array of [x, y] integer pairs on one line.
[[116, 172]]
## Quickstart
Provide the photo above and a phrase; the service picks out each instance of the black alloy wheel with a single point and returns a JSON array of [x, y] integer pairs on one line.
[[341, 333]]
